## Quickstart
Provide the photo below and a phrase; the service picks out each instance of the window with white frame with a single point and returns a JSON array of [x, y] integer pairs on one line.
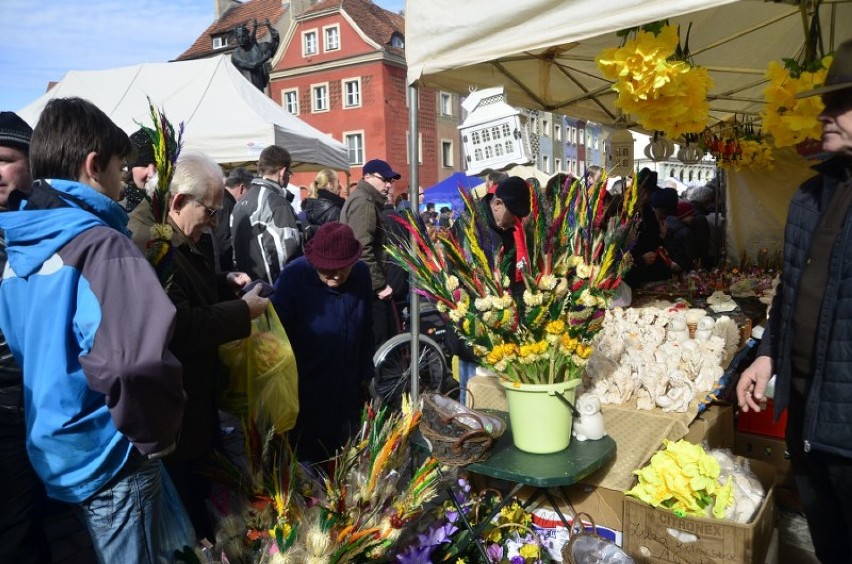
[[582, 139], [545, 161], [354, 141], [290, 100], [446, 101], [446, 153], [309, 43], [220, 41], [319, 97], [573, 138], [352, 93], [545, 127], [331, 38], [557, 164], [557, 132]]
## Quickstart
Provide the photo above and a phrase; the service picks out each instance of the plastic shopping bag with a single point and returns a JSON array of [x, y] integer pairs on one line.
[[273, 385], [263, 379]]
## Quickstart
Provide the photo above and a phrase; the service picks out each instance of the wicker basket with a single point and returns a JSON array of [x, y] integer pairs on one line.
[[471, 446], [458, 435]]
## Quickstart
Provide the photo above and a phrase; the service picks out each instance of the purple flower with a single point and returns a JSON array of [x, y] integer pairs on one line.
[[517, 560], [437, 535], [416, 555], [452, 515], [494, 552]]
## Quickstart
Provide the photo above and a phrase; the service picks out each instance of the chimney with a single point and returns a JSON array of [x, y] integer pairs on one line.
[[222, 6]]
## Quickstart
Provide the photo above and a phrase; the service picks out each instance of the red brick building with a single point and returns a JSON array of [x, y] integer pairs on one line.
[[341, 68]]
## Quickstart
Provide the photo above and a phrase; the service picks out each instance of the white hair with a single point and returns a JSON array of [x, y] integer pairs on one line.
[[196, 174]]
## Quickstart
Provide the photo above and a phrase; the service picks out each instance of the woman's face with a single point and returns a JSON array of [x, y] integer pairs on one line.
[[335, 278]]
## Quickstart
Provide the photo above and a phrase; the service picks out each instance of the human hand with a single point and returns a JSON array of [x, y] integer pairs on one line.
[[237, 280], [385, 292], [257, 304], [752, 384], [649, 258]]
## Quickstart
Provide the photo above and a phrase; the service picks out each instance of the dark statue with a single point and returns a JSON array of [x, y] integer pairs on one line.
[[252, 57]]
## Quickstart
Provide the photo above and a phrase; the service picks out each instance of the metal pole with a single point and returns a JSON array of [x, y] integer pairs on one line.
[[414, 198]]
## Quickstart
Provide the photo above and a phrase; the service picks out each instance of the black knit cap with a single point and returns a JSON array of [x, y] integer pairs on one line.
[[333, 246], [515, 193], [143, 149], [14, 132]]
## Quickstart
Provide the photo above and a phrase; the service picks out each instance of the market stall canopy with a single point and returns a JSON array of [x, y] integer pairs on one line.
[[544, 51], [447, 190], [225, 116]]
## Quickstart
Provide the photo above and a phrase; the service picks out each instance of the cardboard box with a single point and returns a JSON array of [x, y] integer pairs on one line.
[[715, 425], [649, 532], [766, 449]]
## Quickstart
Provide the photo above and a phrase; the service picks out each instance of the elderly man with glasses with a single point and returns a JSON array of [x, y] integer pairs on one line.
[[363, 213]]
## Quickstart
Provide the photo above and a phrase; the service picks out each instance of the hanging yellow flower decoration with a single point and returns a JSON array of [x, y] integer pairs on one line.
[[755, 155], [661, 93], [786, 119]]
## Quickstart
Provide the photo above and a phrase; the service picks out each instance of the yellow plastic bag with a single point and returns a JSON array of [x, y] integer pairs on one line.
[[264, 380]]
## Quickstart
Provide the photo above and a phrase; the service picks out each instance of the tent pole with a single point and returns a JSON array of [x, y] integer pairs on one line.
[[414, 198]]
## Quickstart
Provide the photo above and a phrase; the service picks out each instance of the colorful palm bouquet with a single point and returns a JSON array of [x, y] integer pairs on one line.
[[540, 331], [167, 142], [357, 512]]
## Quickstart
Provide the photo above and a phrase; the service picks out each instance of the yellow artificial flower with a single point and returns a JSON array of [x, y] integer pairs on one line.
[[547, 283], [724, 499], [529, 551], [555, 327]]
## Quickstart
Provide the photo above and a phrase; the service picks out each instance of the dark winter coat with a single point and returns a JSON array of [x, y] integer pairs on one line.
[[332, 337], [828, 412], [321, 210], [363, 213], [208, 315]]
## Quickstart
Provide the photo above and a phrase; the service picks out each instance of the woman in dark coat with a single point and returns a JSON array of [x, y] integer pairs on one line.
[[324, 302], [324, 202]]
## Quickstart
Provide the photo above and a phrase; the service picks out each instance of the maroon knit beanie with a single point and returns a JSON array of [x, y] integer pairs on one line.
[[332, 247]]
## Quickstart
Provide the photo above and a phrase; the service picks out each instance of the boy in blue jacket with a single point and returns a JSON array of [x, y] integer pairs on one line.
[[89, 323]]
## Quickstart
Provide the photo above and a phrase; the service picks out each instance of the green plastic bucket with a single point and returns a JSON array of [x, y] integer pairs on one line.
[[540, 418]]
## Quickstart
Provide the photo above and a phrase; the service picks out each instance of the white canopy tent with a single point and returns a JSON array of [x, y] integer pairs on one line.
[[225, 116], [543, 51]]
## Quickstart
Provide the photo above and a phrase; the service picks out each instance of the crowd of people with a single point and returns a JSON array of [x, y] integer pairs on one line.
[[108, 378]]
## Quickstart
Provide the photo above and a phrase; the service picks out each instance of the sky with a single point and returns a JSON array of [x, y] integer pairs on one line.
[[43, 40]]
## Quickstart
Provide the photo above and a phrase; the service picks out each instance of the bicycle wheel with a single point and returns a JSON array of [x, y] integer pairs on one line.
[[393, 368]]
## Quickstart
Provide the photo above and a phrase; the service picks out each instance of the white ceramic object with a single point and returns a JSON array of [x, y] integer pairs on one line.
[[590, 425]]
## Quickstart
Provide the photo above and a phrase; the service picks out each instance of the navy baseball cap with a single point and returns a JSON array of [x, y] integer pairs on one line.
[[383, 169]]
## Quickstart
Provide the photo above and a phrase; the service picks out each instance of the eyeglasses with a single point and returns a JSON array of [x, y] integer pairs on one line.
[[209, 211], [383, 179]]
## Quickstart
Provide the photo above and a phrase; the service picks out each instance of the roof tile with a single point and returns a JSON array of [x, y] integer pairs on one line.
[[248, 11]]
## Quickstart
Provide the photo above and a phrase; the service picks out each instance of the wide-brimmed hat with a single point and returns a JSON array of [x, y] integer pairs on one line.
[[839, 73], [333, 246]]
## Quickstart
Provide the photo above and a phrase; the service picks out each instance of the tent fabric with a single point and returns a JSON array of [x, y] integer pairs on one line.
[[224, 115], [543, 51], [757, 204], [447, 190]]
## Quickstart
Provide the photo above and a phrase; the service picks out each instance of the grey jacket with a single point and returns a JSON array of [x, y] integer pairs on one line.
[[363, 213]]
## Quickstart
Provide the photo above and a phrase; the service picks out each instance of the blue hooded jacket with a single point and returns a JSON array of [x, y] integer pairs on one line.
[[89, 323]]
